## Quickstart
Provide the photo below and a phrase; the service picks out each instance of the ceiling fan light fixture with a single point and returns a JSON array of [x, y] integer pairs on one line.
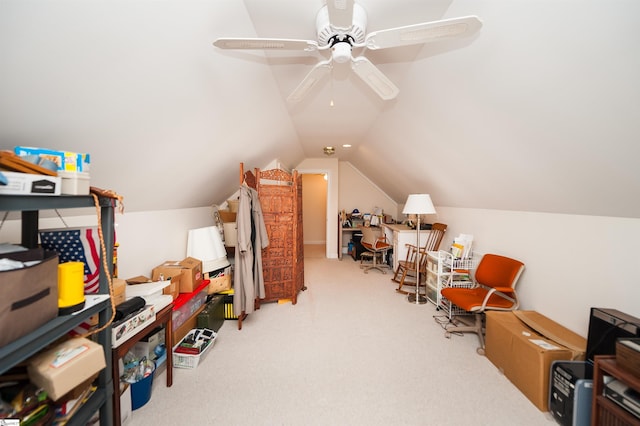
[[341, 52], [356, 30], [341, 26]]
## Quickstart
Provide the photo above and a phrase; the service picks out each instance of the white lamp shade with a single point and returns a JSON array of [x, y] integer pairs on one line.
[[206, 245], [419, 204]]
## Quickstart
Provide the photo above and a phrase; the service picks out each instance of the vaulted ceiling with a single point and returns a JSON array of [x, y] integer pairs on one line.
[[538, 111]]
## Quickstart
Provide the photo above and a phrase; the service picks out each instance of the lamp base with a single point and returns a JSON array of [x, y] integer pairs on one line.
[[417, 299]]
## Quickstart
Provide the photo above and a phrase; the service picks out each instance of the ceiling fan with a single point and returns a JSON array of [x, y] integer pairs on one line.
[[341, 27]]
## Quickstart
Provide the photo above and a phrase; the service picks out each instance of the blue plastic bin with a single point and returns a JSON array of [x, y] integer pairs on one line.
[[141, 390]]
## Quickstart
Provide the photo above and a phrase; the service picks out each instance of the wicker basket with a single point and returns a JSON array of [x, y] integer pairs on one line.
[[181, 360]]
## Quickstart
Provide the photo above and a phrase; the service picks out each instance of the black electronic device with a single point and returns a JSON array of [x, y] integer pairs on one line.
[[571, 382], [206, 334], [624, 396]]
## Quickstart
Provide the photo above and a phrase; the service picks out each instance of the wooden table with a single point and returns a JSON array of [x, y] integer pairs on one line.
[[164, 317]]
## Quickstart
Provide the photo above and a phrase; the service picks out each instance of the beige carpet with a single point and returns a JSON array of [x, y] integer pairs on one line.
[[352, 351]]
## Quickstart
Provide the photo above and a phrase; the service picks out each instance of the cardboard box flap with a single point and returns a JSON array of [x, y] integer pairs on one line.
[[190, 262], [555, 332]]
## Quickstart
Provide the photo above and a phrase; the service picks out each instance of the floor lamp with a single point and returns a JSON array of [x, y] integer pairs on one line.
[[418, 204]]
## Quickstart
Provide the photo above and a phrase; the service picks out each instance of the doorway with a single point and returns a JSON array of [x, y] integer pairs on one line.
[[314, 214]]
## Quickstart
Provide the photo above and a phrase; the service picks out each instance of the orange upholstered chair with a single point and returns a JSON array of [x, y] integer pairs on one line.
[[494, 289]]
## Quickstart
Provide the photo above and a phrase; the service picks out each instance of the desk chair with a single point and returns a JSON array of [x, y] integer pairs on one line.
[[494, 290], [378, 247], [407, 268]]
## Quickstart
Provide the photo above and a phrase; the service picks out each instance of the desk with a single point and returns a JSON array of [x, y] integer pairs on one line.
[[401, 235], [164, 317], [340, 237]]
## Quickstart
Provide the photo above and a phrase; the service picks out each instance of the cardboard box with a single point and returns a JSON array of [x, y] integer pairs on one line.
[[189, 269], [173, 288], [191, 276], [65, 366], [125, 404], [28, 184], [119, 287], [168, 269], [147, 345], [523, 344], [628, 354], [227, 216], [219, 280], [140, 279]]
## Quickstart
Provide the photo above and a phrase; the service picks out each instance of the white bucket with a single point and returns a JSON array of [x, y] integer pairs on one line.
[[230, 234]]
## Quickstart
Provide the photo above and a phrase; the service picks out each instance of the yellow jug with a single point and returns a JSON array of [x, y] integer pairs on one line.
[[70, 287]]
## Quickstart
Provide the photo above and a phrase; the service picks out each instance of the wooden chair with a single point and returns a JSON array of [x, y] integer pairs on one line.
[[378, 247], [407, 268]]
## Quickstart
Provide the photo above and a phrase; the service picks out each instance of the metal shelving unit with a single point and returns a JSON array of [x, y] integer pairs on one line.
[[28, 345]]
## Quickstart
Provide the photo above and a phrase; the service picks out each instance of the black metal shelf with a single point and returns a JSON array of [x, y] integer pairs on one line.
[[43, 202], [26, 346]]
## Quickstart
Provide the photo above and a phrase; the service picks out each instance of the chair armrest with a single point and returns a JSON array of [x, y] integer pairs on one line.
[[501, 291], [504, 289]]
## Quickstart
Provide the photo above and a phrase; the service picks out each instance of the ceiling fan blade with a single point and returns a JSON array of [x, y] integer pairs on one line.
[[340, 13], [320, 71], [422, 33], [374, 78], [266, 43]]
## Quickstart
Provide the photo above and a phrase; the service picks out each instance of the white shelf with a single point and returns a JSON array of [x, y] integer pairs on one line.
[[443, 271]]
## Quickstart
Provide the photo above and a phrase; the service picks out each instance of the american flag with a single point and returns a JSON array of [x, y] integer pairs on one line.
[[78, 245]]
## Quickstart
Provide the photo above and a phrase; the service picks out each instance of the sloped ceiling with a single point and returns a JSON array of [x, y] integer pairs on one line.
[[537, 112]]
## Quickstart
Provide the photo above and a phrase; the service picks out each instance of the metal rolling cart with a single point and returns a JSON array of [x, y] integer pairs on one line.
[[444, 270]]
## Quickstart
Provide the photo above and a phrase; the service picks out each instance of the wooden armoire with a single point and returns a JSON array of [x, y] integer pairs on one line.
[[280, 195]]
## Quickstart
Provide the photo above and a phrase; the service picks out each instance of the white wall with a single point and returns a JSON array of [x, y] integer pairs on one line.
[[149, 238], [357, 191], [572, 262]]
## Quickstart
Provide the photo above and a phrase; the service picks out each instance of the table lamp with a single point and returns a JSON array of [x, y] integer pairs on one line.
[[418, 204]]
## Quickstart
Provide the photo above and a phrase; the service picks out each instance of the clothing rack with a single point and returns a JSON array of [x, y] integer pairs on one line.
[[247, 178]]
